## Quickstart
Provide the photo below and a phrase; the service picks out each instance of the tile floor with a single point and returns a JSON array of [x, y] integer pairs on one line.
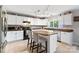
[[21, 47]]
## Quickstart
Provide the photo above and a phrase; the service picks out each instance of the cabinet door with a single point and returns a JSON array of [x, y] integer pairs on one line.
[[8, 36], [11, 36], [32, 20], [42, 22], [37, 22], [12, 20], [20, 20], [52, 43], [60, 19], [19, 35], [67, 37], [68, 19]]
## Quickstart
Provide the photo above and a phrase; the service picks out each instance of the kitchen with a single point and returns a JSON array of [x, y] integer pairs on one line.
[[56, 26]]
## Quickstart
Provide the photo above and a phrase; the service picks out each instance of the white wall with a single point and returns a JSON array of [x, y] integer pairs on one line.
[[76, 28], [76, 32]]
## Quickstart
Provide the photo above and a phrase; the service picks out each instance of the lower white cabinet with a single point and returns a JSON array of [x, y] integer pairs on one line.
[[19, 35], [14, 35], [11, 36], [67, 37]]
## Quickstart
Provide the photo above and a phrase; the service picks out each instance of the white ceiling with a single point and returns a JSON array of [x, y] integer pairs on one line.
[[45, 10]]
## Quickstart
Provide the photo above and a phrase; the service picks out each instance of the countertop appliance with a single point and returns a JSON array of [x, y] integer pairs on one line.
[[3, 30]]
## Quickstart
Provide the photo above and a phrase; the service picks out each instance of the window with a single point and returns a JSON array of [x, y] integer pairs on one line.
[[54, 23], [51, 24]]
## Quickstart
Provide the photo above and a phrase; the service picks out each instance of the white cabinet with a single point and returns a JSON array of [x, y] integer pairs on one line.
[[15, 20], [42, 22], [14, 35], [67, 37], [19, 20], [19, 35], [11, 36], [68, 19], [60, 19], [12, 19], [52, 43], [65, 20], [38, 21], [33, 21]]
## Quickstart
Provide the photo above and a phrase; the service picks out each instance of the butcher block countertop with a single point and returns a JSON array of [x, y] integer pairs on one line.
[[44, 32], [60, 29]]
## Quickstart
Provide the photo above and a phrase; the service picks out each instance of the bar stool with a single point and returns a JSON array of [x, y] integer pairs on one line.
[[27, 34], [43, 44], [38, 43], [34, 43]]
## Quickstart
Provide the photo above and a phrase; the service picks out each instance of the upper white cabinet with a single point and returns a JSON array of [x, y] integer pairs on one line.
[[65, 20], [33, 21], [20, 20], [15, 20], [68, 19], [42, 22], [12, 19], [60, 19]]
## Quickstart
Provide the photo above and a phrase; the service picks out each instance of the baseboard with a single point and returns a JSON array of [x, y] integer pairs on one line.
[[63, 42], [15, 41], [75, 43], [58, 41]]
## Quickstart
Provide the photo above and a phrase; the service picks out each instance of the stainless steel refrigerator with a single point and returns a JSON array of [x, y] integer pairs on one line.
[[3, 29]]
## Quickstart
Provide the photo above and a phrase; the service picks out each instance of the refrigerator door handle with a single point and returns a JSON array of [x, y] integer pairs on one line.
[[5, 26]]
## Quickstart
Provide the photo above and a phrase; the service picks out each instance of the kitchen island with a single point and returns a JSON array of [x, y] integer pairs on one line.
[[59, 29], [65, 35], [50, 36]]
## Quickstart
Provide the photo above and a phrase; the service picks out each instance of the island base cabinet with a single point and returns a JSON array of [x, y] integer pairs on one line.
[[52, 43]]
